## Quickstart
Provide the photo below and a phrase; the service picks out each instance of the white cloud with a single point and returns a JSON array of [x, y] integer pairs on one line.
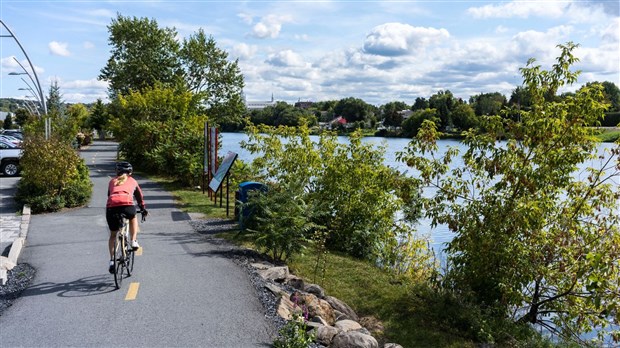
[[10, 65], [59, 48], [500, 29], [540, 45], [88, 45], [302, 37], [521, 9], [572, 11], [286, 58], [611, 33], [244, 51], [395, 39], [269, 26], [246, 18], [85, 84]]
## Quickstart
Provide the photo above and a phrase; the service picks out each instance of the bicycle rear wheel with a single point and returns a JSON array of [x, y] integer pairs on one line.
[[119, 262], [129, 257]]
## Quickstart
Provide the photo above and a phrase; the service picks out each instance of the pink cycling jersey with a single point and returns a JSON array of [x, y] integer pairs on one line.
[[123, 195]]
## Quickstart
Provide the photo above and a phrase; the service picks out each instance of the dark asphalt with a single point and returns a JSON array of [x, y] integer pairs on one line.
[[189, 295]]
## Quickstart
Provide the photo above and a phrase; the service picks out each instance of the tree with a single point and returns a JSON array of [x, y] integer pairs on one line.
[[217, 81], [520, 98], [142, 54], [443, 102], [391, 113], [23, 116], [98, 118], [346, 190], [56, 112], [488, 103], [612, 93], [353, 110], [420, 104], [161, 131], [536, 230], [8, 122], [282, 114], [464, 117], [412, 124]]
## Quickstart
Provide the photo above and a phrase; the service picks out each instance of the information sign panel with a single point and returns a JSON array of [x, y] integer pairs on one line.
[[222, 171]]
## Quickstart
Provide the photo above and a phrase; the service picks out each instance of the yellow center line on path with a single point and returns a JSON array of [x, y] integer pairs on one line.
[[139, 251], [132, 293]]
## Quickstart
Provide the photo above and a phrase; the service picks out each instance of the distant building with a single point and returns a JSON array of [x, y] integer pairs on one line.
[[304, 104], [334, 123], [405, 114], [258, 105]]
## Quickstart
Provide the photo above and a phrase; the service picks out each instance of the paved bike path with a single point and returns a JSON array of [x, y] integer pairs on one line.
[[188, 294]]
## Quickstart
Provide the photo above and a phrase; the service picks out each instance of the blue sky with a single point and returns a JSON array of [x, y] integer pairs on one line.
[[378, 51]]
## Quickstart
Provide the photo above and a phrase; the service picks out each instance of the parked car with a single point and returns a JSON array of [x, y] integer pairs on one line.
[[17, 142], [14, 133], [9, 158]]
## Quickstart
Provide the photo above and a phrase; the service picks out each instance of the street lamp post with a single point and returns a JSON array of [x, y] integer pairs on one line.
[[36, 108], [36, 84]]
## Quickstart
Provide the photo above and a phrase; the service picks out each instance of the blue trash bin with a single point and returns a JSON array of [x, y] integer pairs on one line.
[[242, 195]]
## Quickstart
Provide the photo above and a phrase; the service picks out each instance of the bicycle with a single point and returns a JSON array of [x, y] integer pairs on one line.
[[124, 256]]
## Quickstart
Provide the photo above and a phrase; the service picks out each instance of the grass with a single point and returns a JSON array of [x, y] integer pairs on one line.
[[609, 135], [195, 201], [408, 320], [373, 292]]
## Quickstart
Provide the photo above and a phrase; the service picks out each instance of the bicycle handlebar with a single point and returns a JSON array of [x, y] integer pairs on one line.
[[144, 213]]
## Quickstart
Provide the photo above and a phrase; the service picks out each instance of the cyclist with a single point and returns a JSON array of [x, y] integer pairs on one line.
[[121, 193]]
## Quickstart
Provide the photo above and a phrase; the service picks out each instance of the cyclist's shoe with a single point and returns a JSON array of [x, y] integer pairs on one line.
[[111, 267], [135, 245]]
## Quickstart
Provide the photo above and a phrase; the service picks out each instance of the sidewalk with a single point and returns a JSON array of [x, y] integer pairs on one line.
[[13, 227], [12, 234]]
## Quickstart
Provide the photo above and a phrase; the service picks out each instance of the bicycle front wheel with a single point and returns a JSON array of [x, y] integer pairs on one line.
[[119, 262]]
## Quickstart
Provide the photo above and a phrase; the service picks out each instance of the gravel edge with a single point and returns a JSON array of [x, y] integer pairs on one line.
[[18, 279]]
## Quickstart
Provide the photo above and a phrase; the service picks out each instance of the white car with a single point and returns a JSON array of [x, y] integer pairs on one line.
[[9, 158], [11, 139]]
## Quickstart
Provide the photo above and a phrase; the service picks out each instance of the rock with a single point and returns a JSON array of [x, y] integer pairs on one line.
[[295, 282], [319, 320], [347, 325], [274, 273], [316, 290], [261, 265], [285, 308], [325, 335], [365, 331], [311, 325], [374, 325], [342, 307], [314, 306], [392, 345], [276, 290], [353, 339], [6, 264], [339, 315]]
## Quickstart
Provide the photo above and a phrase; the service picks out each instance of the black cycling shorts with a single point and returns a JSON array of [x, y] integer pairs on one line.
[[113, 216]]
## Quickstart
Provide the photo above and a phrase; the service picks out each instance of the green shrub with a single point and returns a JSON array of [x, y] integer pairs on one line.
[[278, 220], [294, 334], [53, 176]]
